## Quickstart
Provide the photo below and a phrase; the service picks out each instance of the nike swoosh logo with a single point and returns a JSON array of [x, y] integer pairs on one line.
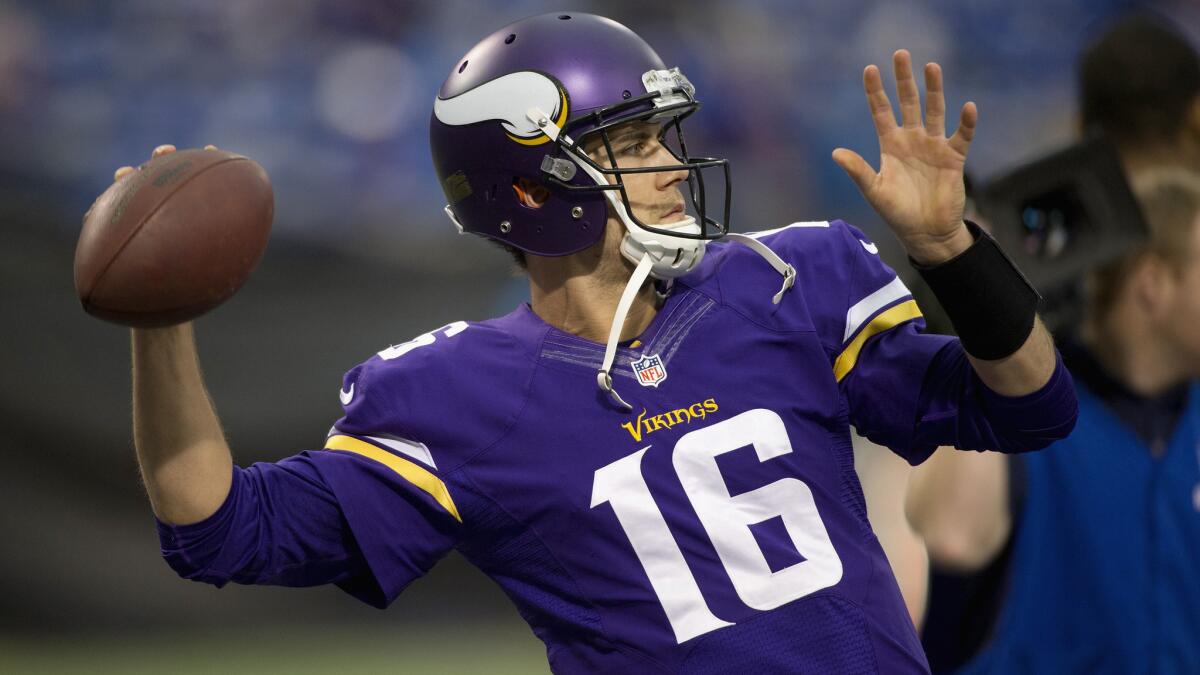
[[871, 248], [347, 396]]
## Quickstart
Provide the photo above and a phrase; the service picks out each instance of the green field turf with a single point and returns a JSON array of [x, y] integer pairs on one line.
[[444, 651]]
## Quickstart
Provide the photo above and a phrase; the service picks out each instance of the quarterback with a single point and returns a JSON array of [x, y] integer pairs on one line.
[[652, 458]]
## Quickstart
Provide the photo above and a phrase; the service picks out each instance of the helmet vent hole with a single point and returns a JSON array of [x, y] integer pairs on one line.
[[463, 66], [509, 40], [564, 17], [626, 94]]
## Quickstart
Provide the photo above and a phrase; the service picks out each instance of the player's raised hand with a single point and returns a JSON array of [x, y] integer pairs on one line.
[[918, 190]]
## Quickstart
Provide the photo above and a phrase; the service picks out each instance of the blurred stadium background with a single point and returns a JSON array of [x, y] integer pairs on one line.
[[333, 99]]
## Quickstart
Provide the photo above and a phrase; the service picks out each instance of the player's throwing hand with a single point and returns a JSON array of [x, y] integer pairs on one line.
[[158, 152], [919, 189]]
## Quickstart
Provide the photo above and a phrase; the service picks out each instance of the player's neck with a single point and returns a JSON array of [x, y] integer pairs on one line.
[[582, 299]]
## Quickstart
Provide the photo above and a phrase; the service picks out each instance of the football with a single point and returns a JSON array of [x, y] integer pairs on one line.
[[173, 239]]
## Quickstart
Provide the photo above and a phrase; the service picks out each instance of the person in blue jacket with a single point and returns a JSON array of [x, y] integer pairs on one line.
[[1085, 558]]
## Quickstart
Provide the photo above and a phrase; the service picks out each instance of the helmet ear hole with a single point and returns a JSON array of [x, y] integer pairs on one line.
[[530, 193]]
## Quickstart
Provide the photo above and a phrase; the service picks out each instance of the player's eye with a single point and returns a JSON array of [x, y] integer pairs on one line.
[[635, 149]]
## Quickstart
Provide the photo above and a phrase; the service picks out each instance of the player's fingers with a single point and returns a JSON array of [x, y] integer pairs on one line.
[[856, 167], [165, 149], [877, 100], [906, 89], [961, 140], [122, 172], [935, 101]]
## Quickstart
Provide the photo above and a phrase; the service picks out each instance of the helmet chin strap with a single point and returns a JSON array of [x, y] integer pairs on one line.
[[672, 256], [772, 258], [646, 266], [603, 378]]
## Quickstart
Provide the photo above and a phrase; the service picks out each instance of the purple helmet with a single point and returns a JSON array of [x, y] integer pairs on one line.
[[522, 104]]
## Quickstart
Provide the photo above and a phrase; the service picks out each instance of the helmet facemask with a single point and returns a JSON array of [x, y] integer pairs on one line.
[[677, 246]]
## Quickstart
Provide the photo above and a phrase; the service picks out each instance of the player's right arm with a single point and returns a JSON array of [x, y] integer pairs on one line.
[[185, 463], [357, 514], [184, 460]]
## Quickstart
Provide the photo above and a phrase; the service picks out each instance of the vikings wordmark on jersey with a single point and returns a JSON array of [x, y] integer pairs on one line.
[[665, 420]]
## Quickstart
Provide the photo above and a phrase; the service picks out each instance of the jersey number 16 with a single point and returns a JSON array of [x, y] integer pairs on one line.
[[726, 519]]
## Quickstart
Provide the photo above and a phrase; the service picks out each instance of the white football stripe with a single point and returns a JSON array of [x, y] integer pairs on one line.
[[505, 99], [418, 451], [813, 223], [864, 309]]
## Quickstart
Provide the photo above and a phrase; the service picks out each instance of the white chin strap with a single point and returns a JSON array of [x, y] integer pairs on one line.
[[788, 272], [603, 378], [643, 271]]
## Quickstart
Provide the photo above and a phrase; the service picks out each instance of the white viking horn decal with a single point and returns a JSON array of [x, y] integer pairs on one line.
[[507, 99]]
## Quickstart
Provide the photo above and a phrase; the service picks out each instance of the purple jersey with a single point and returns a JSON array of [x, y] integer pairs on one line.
[[717, 526]]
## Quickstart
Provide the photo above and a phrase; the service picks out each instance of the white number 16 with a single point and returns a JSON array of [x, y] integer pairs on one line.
[[727, 521]]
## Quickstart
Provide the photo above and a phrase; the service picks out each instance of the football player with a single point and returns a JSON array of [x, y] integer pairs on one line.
[[652, 457]]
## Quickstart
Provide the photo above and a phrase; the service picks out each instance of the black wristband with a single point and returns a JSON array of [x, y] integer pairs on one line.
[[990, 303]]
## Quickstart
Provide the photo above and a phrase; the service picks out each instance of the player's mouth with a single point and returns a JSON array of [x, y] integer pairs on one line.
[[676, 213]]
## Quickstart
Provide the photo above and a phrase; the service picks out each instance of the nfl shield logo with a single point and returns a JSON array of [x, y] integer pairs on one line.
[[649, 370]]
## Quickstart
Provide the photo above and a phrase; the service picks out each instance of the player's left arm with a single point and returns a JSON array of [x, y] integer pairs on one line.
[[919, 193]]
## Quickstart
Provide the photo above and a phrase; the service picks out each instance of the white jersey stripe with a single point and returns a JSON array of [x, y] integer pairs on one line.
[[814, 223], [413, 449], [418, 451], [864, 309]]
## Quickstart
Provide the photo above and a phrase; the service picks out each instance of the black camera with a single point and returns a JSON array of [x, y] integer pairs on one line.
[[1059, 217]]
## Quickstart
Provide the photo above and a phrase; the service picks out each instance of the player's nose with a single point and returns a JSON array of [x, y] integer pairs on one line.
[[667, 179]]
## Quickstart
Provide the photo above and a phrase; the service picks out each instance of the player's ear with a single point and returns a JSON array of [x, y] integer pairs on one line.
[[530, 193]]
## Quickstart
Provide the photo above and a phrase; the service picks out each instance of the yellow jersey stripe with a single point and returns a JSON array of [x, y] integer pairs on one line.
[[407, 470], [863, 309], [905, 311]]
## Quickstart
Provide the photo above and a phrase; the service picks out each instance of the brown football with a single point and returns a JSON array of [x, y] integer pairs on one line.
[[173, 239]]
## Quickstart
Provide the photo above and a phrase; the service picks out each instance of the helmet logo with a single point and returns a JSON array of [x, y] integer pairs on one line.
[[507, 99]]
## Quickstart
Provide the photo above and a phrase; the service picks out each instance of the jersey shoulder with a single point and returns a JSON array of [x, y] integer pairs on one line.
[[449, 393], [835, 263]]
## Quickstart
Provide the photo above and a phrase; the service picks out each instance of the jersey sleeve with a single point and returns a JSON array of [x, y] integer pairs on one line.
[[387, 470], [371, 511], [315, 518], [414, 415], [913, 392]]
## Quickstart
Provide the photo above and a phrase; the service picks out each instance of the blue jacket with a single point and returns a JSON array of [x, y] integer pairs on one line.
[[1105, 574]]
